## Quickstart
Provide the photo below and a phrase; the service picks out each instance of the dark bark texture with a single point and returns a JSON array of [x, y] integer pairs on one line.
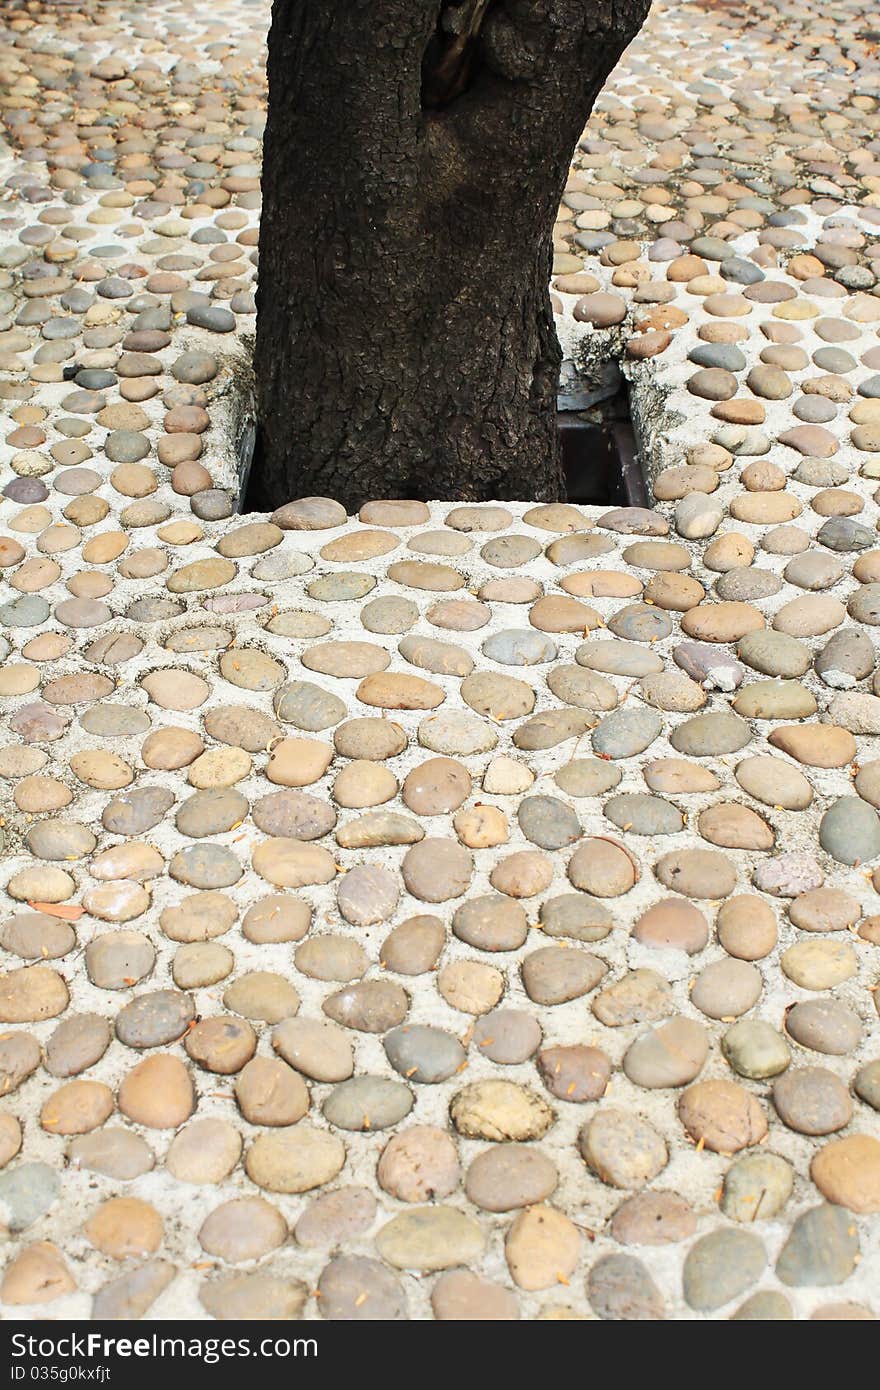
[[414, 159]]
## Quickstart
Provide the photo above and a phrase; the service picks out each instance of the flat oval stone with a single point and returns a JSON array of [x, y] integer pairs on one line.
[[419, 1163], [293, 1159], [866, 1084], [622, 1149], [822, 1248], [556, 974], [369, 739], [424, 1055], [211, 812], [755, 1049], [602, 867], [221, 1044], [243, 1228], [354, 1288], [32, 994], [316, 1047], [548, 822], [721, 1266], [653, 1218], [239, 1297], [847, 1172], [575, 1073], [336, 1217], [756, 1187], [550, 728], [774, 782], [577, 686], [575, 915], [293, 863], [671, 1055], [114, 1153], [542, 1248], [414, 946], [519, 647], [134, 812], [640, 622], [155, 1019], [308, 706], [461, 1296], [727, 988], [500, 1111], [367, 1103], [373, 1006], [205, 866], [37, 936], [331, 957], [27, 1193], [491, 923], [697, 873], [496, 696], [626, 732], [508, 1036], [672, 924], [584, 777], [436, 870], [850, 831], [812, 1100], [815, 745], [620, 1288], [436, 787], [723, 1115], [456, 732], [618, 658], [262, 995], [118, 960], [640, 814], [819, 965], [19, 1059], [824, 1025], [293, 815], [430, 1238], [367, 894]]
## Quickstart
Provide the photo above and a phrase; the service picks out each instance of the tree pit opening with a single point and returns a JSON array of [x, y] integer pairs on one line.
[[593, 420]]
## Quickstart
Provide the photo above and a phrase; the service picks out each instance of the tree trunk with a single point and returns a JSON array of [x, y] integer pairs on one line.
[[414, 158]]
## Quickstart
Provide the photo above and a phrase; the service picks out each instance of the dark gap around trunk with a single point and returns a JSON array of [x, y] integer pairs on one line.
[[599, 449]]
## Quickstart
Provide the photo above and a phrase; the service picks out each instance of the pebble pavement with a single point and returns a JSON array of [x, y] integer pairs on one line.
[[448, 911]]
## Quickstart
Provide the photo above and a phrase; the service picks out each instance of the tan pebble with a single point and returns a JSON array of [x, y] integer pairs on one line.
[[481, 826], [362, 783], [470, 986], [124, 1226], [100, 769], [676, 592], [817, 745], [116, 902], [542, 1248], [847, 1172], [170, 749], [77, 1108], [728, 552], [391, 690], [158, 1093], [205, 1151], [38, 1274], [722, 1115], [297, 762], [219, 767]]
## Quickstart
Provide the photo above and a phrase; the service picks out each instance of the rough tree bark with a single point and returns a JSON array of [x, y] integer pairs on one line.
[[415, 155]]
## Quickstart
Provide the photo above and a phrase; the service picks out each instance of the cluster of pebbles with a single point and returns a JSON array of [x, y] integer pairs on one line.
[[445, 911]]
